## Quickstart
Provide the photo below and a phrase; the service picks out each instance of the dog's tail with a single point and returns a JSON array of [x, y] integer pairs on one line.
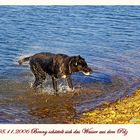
[[21, 61]]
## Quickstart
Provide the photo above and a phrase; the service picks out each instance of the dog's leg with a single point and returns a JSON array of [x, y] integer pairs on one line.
[[54, 84], [39, 74], [38, 82], [69, 81]]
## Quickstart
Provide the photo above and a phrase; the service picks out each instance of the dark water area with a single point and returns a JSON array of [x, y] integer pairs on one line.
[[108, 37]]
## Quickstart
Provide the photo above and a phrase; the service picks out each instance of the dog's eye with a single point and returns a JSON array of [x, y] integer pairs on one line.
[[82, 63]]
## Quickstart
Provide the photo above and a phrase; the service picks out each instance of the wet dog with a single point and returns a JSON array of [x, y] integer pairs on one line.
[[57, 66]]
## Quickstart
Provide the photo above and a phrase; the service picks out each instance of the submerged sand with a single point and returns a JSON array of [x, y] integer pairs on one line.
[[123, 111], [20, 106]]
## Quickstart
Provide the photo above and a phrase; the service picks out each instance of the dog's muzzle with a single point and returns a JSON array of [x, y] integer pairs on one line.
[[87, 71]]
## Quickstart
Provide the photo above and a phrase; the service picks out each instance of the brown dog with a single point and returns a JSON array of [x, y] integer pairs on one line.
[[57, 66]]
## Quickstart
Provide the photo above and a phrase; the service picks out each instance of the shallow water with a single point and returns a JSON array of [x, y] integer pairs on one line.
[[106, 36]]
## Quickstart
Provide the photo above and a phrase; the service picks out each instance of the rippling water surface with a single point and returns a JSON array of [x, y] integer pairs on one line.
[[108, 37]]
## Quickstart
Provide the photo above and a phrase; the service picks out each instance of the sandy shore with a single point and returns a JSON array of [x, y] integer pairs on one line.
[[123, 111]]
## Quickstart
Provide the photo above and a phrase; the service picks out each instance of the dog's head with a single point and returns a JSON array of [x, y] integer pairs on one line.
[[78, 64]]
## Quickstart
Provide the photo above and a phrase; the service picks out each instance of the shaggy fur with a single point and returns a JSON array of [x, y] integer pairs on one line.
[[55, 65]]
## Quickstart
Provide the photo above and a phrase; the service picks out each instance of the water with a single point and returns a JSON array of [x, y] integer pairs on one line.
[[106, 36]]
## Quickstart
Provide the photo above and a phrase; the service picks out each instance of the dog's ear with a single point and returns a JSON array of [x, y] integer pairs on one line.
[[79, 56], [72, 62]]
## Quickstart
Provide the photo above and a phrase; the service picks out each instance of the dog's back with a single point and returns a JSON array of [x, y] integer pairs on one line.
[[41, 56], [57, 66]]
